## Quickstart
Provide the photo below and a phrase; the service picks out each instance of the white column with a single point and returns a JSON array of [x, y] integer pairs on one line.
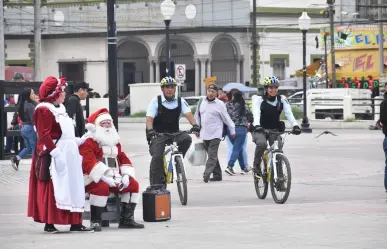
[[203, 75], [197, 77], [209, 67], [157, 62], [238, 70], [151, 71], [347, 108], [242, 68]]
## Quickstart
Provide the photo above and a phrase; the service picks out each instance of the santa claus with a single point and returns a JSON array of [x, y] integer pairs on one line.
[[107, 169]]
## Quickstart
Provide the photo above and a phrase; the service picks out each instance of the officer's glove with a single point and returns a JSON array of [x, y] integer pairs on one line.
[[258, 128], [195, 128], [150, 134], [296, 130], [251, 127]]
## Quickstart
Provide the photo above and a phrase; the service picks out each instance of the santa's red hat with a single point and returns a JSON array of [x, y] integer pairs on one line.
[[51, 88], [97, 117]]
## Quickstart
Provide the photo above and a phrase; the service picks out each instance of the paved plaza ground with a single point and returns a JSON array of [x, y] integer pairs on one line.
[[337, 200]]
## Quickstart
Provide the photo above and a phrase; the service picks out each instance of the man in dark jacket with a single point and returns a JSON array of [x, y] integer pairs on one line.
[[74, 107], [383, 123]]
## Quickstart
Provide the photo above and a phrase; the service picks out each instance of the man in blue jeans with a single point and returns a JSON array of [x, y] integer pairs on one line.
[[383, 122]]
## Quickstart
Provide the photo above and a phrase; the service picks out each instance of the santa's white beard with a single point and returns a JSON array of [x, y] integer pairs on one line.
[[106, 136]]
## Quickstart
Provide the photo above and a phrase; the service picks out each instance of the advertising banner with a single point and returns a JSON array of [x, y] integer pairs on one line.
[[354, 37], [357, 63]]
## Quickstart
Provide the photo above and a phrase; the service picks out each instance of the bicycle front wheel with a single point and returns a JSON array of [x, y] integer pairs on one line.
[[260, 179], [181, 180], [280, 187]]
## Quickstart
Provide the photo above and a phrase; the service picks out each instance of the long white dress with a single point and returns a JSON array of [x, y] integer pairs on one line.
[[66, 173]]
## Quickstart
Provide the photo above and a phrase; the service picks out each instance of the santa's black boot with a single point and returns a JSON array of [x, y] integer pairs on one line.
[[127, 216], [95, 218]]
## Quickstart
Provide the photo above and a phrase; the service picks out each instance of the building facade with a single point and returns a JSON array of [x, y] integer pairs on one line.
[[280, 39], [214, 43]]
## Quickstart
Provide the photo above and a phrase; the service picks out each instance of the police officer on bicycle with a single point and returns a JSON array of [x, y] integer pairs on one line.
[[267, 111], [163, 116]]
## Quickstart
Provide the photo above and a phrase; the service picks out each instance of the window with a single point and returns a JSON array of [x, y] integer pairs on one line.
[[366, 9], [73, 71], [278, 62], [279, 68]]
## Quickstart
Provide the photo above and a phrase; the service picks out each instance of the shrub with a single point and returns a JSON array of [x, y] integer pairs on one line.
[[297, 112], [138, 115]]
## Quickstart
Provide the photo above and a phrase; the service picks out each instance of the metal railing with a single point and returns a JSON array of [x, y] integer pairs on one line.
[[13, 87]]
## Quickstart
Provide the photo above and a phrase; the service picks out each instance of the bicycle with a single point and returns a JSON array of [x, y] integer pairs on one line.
[[173, 159], [274, 174]]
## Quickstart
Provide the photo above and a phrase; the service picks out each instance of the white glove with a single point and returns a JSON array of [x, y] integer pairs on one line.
[[80, 141], [125, 180], [109, 180]]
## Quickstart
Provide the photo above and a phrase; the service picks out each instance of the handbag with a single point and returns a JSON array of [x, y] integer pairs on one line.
[[42, 165]]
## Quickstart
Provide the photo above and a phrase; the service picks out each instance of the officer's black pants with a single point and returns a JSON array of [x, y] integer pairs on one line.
[[156, 149]]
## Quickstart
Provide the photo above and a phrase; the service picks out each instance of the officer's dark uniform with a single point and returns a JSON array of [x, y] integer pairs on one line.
[[166, 121]]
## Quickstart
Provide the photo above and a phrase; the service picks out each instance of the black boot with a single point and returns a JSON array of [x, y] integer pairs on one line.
[[50, 228], [95, 218], [79, 228], [127, 216]]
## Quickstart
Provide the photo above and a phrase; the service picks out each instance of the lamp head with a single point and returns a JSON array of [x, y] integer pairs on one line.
[[167, 8], [304, 21]]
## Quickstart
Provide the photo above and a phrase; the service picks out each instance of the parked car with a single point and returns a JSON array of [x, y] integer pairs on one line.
[[193, 101]]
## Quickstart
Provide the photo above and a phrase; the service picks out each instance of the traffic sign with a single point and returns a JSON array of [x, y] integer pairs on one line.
[[180, 72]]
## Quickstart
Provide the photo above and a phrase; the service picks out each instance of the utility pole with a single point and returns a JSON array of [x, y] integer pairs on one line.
[[37, 40], [112, 60], [254, 44], [381, 38], [331, 21], [2, 43], [326, 60]]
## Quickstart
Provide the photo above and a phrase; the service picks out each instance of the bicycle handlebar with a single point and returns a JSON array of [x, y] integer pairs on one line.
[[173, 134], [278, 132]]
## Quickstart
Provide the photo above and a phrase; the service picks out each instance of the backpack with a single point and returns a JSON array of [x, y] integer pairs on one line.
[[224, 132]]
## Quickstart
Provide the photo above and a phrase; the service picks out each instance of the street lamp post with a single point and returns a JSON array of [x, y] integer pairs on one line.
[[167, 8], [112, 60], [304, 24]]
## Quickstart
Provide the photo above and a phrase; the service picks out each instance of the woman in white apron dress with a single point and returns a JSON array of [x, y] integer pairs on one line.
[[66, 168], [60, 200]]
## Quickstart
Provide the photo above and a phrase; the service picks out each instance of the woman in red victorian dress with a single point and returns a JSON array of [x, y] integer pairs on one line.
[[61, 199]]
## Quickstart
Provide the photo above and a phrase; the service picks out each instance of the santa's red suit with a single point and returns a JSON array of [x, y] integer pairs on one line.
[[107, 169]]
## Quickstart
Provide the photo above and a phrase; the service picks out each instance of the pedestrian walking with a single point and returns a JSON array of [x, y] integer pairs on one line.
[[383, 123], [241, 116], [26, 110], [211, 115]]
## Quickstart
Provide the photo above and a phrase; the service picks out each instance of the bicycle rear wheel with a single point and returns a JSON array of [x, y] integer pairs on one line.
[[260, 180], [284, 180], [181, 180]]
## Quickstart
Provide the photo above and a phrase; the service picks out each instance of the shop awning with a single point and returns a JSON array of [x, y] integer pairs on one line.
[[311, 70]]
